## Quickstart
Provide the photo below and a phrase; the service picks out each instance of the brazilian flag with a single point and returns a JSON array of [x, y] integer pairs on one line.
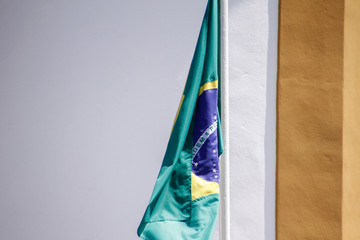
[[185, 200]]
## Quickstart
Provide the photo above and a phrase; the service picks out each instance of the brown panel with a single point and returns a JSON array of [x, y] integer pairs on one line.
[[351, 132], [309, 133]]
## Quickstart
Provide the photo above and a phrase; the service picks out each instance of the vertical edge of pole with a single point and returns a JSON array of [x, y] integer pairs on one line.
[[224, 163]]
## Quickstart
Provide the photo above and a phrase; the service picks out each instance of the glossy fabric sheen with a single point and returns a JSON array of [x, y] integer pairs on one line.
[[200, 226], [201, 188], [206, 161], [172, 213], [208, 85]]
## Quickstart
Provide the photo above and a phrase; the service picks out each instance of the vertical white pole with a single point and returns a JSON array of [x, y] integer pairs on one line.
[[224, 162]]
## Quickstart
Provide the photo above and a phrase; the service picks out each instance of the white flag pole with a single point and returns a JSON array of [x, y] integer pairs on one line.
[[224, 162]]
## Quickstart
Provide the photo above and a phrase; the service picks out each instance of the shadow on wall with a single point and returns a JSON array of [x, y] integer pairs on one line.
[[270, 123]]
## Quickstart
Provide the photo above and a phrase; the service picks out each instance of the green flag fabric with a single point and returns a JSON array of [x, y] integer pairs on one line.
[[185, 200]]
